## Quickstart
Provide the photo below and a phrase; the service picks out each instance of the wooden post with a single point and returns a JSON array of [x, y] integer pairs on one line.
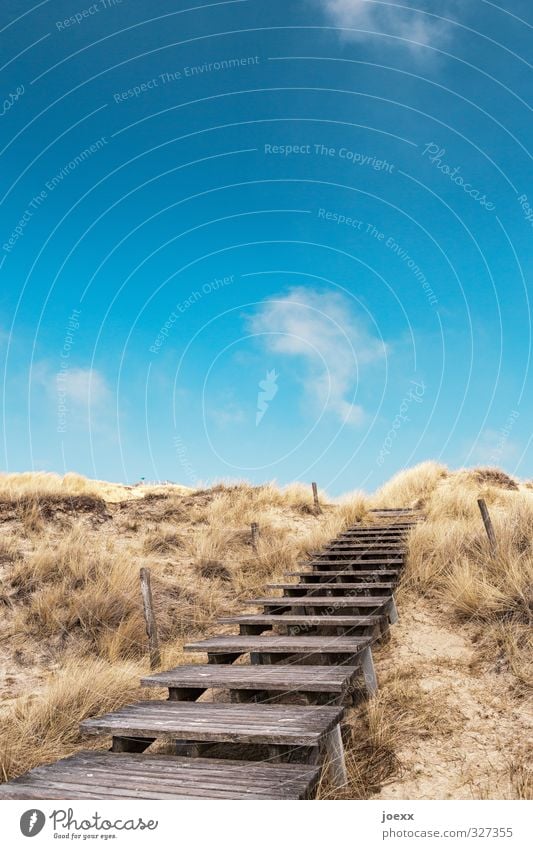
[[488, 524], [315, 498], [151, 626], [392, 611], [255, 535], [335, 753], [369, 672]]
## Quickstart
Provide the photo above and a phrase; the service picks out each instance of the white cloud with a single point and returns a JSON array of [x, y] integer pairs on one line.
[[75, 392], [229, 415], [392, 17], [323, 332], [84, 386]]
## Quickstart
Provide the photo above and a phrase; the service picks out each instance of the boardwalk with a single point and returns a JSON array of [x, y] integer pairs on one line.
[[300, 661]]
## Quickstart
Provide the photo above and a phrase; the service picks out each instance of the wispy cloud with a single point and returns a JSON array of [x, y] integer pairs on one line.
[[84, 386], [393, 17], [322, 330], [230, 414], [77, 394]]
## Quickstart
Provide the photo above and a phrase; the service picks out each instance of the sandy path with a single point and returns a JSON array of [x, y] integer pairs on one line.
[[481, 727]]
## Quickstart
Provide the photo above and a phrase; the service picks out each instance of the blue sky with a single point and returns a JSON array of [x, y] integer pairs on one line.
[[265, 240]]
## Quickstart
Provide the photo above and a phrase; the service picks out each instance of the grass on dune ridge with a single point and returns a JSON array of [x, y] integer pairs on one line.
[[69, 585], [449, 553]]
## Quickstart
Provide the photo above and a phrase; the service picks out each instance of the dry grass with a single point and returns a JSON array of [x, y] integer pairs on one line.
[[520, 780], [411, 487], [165, 540], [43, 727], [39, 485]]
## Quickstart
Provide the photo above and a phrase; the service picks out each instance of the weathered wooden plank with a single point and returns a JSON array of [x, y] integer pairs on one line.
[[354, 600], [378, 557], [370, 540], [307, 620], [347, 574], [353, 564], [305, 589], [401, 535], [218, 722], [362, 548], [274, 643], [281, 678], [384, 533], [96, 775], [376, 529]]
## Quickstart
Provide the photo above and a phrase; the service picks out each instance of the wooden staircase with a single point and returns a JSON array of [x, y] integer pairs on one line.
[[287, 673]]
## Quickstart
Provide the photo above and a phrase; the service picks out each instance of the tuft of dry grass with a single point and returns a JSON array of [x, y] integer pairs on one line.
[[9, 549], [410, 487], [494, 477], [43, 726], [80, 591], [164, 540], [453, 556], [521, 779]]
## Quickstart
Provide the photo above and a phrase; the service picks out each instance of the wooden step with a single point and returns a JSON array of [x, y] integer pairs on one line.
[[232, 646], [387, 535], [391, 510], [348, 574], [356, 563], [366, 544], [105, 775], [385, 548], [275, 602], [276, 678], [379, 521], [361, 551], [381, 557], [216, 722], [375, 529], [390, 516], [389, 521], [368, 541], [265, 620], [304, 588]]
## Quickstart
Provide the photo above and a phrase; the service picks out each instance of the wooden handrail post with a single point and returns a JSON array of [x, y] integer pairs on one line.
[[254, 527], [488, 524], [315, 498], [149, 616]]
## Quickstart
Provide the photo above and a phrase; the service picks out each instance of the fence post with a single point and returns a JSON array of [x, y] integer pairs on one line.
[[149, 616], [488, 524], [255, 535], [315, 498]]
